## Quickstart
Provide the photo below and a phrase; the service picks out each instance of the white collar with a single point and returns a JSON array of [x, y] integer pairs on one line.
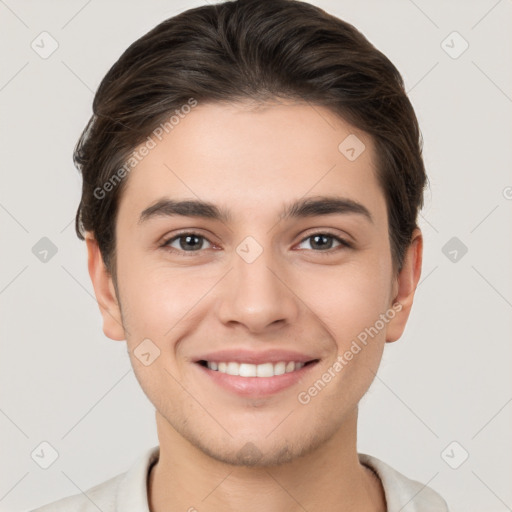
[[401, 493]]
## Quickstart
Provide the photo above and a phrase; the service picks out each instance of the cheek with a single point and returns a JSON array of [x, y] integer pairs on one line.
[[349, 299], [157, 299], [349, 304]]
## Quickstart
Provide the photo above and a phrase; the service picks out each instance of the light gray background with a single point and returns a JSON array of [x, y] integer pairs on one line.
[[448, 378]]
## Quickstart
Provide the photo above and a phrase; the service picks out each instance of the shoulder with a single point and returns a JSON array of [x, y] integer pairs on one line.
[[126, 492], [403, 493], [101, 496]]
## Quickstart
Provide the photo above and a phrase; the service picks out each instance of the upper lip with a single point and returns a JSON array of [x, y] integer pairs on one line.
[[251, 357]]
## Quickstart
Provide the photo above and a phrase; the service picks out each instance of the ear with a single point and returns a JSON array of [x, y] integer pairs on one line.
[[404, 287], [104, 291]]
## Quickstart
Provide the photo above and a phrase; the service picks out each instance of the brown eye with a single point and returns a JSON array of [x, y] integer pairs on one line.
[[322, 242], [186, 242]]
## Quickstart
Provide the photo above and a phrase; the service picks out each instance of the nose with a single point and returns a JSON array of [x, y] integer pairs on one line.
[[258, 295]]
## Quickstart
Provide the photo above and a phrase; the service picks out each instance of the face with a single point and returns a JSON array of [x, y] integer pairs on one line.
[[251, 305]]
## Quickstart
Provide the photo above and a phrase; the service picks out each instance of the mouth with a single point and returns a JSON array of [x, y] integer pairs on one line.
[[263, 370], [254, 375]]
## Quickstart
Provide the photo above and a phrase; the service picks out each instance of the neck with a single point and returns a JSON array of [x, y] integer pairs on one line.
[[330, 478]]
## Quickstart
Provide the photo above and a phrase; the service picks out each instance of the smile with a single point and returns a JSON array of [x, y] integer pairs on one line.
[[254, 374], [254, 370]]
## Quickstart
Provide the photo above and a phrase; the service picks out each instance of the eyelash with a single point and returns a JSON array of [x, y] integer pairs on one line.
[[343, 243]]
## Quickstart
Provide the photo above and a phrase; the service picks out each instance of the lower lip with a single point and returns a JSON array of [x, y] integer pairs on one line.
[[256, 386]]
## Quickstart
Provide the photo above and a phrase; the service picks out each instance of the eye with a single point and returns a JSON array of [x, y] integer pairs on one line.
[[186, 242], [323, 242], [190, 242]]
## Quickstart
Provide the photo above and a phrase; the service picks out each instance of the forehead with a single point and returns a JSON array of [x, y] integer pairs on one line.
[[255, 159]]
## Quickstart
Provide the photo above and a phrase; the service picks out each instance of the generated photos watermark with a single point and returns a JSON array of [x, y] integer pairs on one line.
[[304, 397], [144, 149]]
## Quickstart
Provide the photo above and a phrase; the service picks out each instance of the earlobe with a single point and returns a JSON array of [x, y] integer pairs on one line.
[[405, 286], [105, 291]]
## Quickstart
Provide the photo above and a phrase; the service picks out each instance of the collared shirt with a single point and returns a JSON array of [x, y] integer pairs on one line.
[[127, 492]]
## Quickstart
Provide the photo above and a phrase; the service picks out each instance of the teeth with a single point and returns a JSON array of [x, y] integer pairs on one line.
[[255, 370], [247, 370], [279, 368], [232, 369], [265, 370]]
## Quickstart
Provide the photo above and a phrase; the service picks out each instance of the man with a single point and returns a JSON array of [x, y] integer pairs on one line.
[[252, 175]]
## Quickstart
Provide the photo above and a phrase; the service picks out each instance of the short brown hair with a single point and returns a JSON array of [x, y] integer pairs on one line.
[[257, 50]]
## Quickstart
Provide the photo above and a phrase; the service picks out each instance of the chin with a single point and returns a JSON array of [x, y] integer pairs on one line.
[[257, 452]]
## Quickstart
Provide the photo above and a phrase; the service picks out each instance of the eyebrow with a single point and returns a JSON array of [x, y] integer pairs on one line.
[[308, 207]]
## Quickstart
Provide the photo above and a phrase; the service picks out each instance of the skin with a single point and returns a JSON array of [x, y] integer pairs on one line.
[[294, 296]]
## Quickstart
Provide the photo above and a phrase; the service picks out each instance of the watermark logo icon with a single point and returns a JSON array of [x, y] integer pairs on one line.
[[44, 455], [454, 45], [351, 147], [455, 455], [454, 249], [44, 250], [249, 453], [146, 352], [249, 249], [44, 45]]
